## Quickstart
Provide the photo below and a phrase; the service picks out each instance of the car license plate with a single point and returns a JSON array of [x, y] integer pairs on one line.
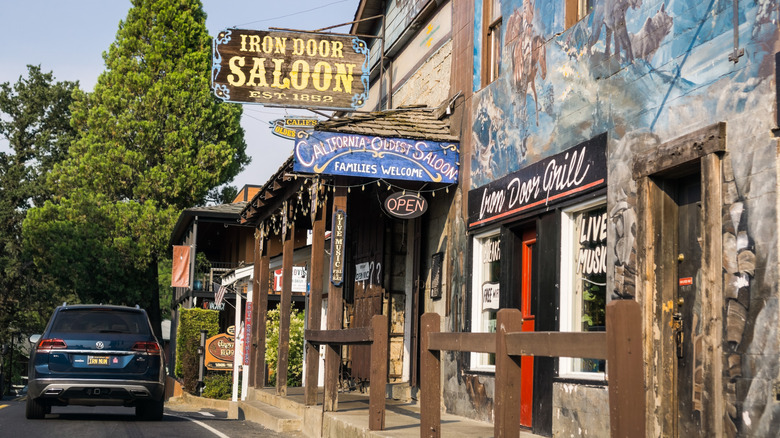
[[97, 360]]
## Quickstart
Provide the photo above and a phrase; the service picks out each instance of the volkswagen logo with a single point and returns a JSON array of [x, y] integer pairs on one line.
[[99, 345]]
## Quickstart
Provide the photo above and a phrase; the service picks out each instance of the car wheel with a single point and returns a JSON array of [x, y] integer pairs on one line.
[[36, 409], [151, 410]]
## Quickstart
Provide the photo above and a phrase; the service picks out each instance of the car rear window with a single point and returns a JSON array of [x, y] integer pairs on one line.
[[100, 321]]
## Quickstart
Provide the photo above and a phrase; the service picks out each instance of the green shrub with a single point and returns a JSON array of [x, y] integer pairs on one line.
[[295, 363], [191, 322], [219, 385]]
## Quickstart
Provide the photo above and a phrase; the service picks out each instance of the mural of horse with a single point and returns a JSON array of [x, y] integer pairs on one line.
[[528, 52]]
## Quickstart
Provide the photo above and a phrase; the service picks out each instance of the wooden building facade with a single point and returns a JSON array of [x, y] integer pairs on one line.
[[680, 98], [607, 151]]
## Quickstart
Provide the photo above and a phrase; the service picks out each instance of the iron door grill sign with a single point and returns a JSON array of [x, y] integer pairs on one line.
[[573, 172], [333, 153], [290, 69]]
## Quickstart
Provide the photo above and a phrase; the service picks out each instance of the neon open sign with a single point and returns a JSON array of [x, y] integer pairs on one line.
[[406, 205]]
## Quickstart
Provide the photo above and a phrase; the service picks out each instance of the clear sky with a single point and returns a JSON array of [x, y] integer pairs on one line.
[[68, 38]]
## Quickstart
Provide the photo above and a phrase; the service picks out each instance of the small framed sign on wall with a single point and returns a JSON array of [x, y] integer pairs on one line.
[[437, 261]]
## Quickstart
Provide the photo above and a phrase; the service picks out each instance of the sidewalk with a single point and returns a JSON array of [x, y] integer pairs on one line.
[[289, 414]]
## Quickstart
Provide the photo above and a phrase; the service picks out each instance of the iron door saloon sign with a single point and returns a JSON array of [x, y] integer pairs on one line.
[[578, 170], [333, 153], [288, 69]]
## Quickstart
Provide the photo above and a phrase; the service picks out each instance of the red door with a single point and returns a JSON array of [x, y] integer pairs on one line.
[[527, 362]]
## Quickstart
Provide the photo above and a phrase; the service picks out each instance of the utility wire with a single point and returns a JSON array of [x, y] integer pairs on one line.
[[294, 13]]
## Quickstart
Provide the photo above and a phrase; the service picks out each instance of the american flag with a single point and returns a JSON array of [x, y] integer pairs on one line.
[[220, 295]]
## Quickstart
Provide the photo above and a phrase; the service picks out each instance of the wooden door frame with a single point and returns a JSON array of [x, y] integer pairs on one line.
[[701, 150]]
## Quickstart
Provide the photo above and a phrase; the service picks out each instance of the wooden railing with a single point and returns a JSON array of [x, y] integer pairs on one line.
[[620, 345], [376, 336]]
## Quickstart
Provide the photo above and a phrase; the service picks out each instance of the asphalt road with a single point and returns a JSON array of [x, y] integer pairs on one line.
[[120, 422]]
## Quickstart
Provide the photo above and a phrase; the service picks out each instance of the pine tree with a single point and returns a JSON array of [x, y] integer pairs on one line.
[[153, 140], [34, 123]]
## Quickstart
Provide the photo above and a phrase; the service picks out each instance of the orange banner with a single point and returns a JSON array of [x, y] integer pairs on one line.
[[180, 274]]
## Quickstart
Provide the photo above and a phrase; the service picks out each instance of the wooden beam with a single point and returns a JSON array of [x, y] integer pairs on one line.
[[315, 306], [353, 336], [682, 150], [626, 369], [262, 277], [430, 378], [335, 311], [255, 301], [508, 379], [378, 383], [591, 345], [476, 342]]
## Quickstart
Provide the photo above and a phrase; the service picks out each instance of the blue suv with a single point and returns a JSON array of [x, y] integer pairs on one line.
[[96, 355]]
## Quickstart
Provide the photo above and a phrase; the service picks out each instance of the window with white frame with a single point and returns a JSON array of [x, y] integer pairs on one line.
[[583, 281], [485, 292]]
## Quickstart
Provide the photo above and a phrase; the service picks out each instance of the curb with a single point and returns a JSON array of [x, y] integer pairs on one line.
[[205, 403]]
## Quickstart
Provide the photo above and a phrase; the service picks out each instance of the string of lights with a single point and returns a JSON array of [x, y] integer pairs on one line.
[[315, 193]]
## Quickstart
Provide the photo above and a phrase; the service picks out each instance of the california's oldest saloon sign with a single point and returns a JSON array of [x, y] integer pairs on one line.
[[290, 69], [333, 153], [572, 172]]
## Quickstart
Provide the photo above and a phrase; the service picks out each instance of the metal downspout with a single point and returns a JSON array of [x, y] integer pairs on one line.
[[737, 53]]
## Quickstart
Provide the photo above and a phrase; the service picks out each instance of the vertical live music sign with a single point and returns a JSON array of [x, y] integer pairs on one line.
[[337, 247], [290, 69]]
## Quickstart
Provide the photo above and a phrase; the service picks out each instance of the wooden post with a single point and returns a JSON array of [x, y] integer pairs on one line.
[[625, 369], [315, 305], [260, 309], [255, 298], [288, 248], [507, 398], [335, 310], [430, 379], [376, 401]]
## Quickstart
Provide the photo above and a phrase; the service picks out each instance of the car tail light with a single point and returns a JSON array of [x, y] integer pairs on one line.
[[46, 345], [147, 346]]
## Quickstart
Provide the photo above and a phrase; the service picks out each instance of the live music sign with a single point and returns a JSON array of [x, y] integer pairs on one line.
[[337, 247]]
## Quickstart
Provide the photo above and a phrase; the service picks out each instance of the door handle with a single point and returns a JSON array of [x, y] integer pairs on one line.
[[677, 324]]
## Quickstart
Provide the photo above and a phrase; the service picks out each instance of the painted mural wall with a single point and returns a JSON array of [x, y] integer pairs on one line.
[[647, 72], [657, 72]]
